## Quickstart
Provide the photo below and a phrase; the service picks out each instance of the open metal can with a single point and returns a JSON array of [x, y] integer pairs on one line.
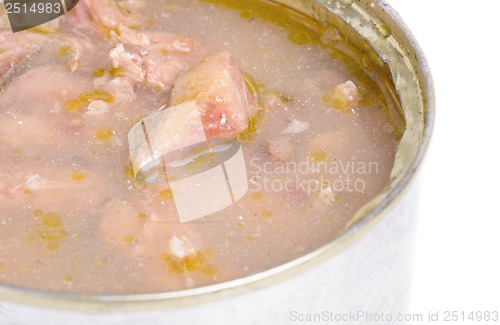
[[362, 273]]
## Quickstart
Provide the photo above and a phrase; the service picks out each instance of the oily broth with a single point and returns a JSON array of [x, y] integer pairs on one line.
[[115, 233]]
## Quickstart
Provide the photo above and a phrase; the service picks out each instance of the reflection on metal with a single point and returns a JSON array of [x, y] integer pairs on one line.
[[169, 146]]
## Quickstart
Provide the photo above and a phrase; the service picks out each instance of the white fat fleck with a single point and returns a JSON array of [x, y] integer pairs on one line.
[[177, 246], [36, 182], [27, 182], [295, 127], [349, 90], [98, 107], [223, 120], [326, 194]]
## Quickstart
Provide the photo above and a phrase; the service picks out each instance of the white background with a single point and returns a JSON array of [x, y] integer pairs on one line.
[[457, 263]]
